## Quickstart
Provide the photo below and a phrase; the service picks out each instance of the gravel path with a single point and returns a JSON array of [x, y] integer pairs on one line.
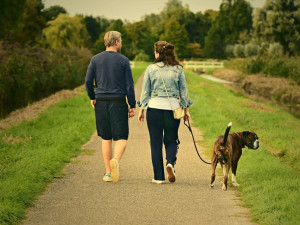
[[81, 197]]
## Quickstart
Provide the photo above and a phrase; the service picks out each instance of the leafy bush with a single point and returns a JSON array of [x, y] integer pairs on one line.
[[251, 50], [275, 50], [238, 51], [142, 56], [229, 51], [28, 74]]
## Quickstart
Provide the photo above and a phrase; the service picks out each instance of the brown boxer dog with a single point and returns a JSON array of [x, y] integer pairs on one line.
[[228, 150]]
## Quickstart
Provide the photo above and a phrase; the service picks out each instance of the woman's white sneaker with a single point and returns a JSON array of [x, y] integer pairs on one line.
[[171, 173], [158, 181]]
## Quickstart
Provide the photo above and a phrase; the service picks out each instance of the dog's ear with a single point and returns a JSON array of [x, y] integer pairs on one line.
[[245, 134]]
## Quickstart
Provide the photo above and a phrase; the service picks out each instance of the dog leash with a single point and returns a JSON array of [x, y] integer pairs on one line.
[[190, 129]]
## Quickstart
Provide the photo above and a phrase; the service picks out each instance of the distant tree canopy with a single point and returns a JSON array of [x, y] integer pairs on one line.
[[66, 31], [232, 20], [235, 30], [52, 12], [10, 14], [279, 22]]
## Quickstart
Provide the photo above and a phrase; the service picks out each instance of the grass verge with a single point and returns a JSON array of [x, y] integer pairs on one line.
[[269, 177], [35, 152]]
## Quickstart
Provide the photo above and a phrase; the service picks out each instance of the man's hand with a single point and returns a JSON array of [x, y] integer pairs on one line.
[[93, 102], [131, 113]]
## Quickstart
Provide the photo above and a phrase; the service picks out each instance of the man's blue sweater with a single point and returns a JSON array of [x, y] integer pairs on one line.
[[113, 78]]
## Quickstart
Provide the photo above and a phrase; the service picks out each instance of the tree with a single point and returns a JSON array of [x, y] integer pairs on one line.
[[52, 12], [10, 14], [32, 22], [177, 35], [93, 27], [66, 31], [142, 38], [233, 20], [279, 21]]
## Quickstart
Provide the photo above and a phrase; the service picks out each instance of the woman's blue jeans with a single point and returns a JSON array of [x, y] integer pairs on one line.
[[163, 128]]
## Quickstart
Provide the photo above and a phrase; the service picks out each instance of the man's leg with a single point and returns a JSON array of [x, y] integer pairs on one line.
[[107, 153], [119, 149]]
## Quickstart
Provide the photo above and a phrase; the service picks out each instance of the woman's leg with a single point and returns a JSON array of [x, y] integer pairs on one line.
[[155, 126], [171, 140]]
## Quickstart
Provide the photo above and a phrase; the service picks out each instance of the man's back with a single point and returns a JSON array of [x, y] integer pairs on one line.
[[112, 74]]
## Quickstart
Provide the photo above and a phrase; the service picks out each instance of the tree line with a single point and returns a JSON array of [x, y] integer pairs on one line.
[[236, 29]]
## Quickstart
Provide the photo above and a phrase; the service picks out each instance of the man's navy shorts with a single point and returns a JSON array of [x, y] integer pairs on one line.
[[112, 119]]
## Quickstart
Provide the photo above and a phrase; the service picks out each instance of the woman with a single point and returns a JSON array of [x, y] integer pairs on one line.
[[162, 126]]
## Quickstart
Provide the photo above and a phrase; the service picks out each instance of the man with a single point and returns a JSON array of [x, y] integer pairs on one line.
[[113, 78]]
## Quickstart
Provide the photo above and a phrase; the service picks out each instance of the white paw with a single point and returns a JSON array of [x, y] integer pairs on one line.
[[224, 187], [212, 185], [235, 184]]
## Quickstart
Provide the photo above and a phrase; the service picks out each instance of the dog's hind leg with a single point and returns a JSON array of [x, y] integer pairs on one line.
[[213, 172], [233, 178], [225, 171]]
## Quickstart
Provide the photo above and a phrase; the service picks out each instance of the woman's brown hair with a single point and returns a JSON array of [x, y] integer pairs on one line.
[[166, 53]]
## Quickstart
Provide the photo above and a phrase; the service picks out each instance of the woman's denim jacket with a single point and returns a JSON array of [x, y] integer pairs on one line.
[[174, 80]]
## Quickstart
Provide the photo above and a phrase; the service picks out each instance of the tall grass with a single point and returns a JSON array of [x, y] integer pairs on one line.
[[268, 184], [34, 152]]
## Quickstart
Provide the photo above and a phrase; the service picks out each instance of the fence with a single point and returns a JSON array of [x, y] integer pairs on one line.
[[202, 65]]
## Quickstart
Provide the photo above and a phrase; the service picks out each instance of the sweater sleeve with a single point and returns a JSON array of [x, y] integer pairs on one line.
[[89, 80], [129, 85]]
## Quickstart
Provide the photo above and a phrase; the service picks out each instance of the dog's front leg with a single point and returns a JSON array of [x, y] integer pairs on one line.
[[225, 171], [233, 169], [213, 171]]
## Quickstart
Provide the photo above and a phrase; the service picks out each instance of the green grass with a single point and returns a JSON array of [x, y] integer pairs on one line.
[[269, 177], [27, 165], [36, 151], [139, 69]]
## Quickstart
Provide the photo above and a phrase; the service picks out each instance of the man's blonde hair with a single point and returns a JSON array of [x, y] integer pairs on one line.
[[111, 37]]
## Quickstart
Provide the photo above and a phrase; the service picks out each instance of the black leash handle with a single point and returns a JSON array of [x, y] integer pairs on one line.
[[190, 129]]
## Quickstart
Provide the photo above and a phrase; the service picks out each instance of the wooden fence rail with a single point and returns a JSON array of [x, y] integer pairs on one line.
[[202, 65]]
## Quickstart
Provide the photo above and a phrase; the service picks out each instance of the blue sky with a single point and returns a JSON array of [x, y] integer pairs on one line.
[[132, 10]]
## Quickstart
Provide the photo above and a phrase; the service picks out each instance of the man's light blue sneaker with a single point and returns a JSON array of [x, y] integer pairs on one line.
[[107, 178]]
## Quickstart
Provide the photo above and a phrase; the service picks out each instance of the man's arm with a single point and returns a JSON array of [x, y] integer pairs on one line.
[[129, 86], [89, 82]]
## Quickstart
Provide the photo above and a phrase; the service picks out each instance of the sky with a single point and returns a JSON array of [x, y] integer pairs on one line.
[[132, 10]]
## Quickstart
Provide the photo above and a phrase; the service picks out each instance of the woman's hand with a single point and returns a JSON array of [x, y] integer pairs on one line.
[[141, 116], [187, 115]]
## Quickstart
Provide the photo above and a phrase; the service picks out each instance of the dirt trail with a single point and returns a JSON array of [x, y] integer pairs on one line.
[[82, 198]]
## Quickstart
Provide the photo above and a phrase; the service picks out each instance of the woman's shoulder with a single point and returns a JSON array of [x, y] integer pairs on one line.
[[151, 68]]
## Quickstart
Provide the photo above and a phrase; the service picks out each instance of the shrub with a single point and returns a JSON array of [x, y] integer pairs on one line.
[[275, 50], [287, 67], [29, 74], [238, 51], [229, 51], [251, 50], [142, 56]]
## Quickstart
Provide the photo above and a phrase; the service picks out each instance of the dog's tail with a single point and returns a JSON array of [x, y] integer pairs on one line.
[[226, 133]]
